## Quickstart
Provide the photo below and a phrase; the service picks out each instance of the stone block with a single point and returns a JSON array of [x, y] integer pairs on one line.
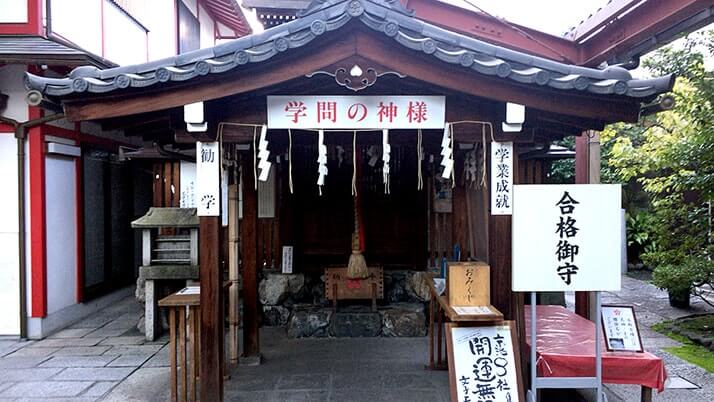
[[78, 361], [355, 322], [275, 316], [94, 373], [46, 389], [418, 287], [129, 361], [404, 320], [274, 289], [309, 321], [29, 374]]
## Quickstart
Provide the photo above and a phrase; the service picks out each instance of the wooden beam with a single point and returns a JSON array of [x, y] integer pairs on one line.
[[249, 254], [212, 336], [491, 30], [642, 23]]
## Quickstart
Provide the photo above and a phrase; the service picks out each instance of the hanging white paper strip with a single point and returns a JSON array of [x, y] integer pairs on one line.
[[501, 178], [263, 155], [447, 152]]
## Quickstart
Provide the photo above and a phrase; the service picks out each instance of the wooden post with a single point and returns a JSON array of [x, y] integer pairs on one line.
[[582, 176], [212, 339], [249, 251], [233, 301]]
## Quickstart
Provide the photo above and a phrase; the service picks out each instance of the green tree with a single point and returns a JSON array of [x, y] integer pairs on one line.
[[670, 156]]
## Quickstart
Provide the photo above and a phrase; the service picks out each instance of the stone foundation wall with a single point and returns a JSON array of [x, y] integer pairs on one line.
[[298, 303]]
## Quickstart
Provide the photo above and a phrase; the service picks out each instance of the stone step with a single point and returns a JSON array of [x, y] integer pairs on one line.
[[168, 261]]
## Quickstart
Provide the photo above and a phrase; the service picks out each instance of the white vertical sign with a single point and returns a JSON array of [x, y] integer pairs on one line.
[[188, 185], [484, 364], [287, 259], [501, 178], [566, 237], [208, 178]]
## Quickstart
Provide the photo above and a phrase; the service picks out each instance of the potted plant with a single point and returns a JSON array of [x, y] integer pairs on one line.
[[684, 279]]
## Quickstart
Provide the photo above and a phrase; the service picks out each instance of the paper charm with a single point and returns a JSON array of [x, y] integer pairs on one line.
[[386, 156], [447, 152], [321, 159], [263, 155]]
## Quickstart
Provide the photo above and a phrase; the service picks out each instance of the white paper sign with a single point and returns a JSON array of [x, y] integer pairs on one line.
[[188, 185], [501, 178], [472, 310], [566, 237], [621, 331], [287, 259], [353, 112], [208, 178], [484, 364]]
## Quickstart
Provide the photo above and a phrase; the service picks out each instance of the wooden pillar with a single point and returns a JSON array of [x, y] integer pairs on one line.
[[249, 253], [587, 170], [499, 257], [212, 337]]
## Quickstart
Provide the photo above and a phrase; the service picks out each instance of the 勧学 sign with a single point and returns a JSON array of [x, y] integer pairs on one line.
[[566, 237], [620, 328], [208, 179], [484, 363], [355, 112]]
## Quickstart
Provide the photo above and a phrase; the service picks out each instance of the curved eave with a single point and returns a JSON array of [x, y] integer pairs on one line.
[[384, 16]]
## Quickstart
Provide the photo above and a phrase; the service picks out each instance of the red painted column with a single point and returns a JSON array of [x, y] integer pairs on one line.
[[38, 239]]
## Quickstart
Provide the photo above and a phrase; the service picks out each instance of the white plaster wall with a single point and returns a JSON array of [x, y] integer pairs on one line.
[[207, 35], [192, 5], [61, 218], [79, 21], [12, 84], [125, 41], [161, 22], [13, 11], [9, 261], [224, 30]]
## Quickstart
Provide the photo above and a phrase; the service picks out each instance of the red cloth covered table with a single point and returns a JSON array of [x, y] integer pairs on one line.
[[566, 348]]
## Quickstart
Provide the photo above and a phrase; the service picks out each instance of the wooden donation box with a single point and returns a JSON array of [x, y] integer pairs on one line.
[[339, 287], [468, 284]]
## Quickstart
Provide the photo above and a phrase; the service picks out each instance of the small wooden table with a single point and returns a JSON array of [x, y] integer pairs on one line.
[[446, 313], [179, 305]]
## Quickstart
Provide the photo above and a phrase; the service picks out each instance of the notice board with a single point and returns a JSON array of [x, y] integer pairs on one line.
[[566, 237], [484, 363]]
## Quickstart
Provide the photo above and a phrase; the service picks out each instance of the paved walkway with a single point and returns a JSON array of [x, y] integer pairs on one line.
[[105, 358]]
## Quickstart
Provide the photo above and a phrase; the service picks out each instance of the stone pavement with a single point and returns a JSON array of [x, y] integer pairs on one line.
[[651, 307], [104, 358], [80, 363]]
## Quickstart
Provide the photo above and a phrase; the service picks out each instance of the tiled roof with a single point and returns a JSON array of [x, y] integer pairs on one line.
[[39, 50], [387, 17]]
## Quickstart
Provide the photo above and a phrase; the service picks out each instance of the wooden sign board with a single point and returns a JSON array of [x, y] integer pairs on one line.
[[620, 328], [484, 363], [468, 284], [339, 287]]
